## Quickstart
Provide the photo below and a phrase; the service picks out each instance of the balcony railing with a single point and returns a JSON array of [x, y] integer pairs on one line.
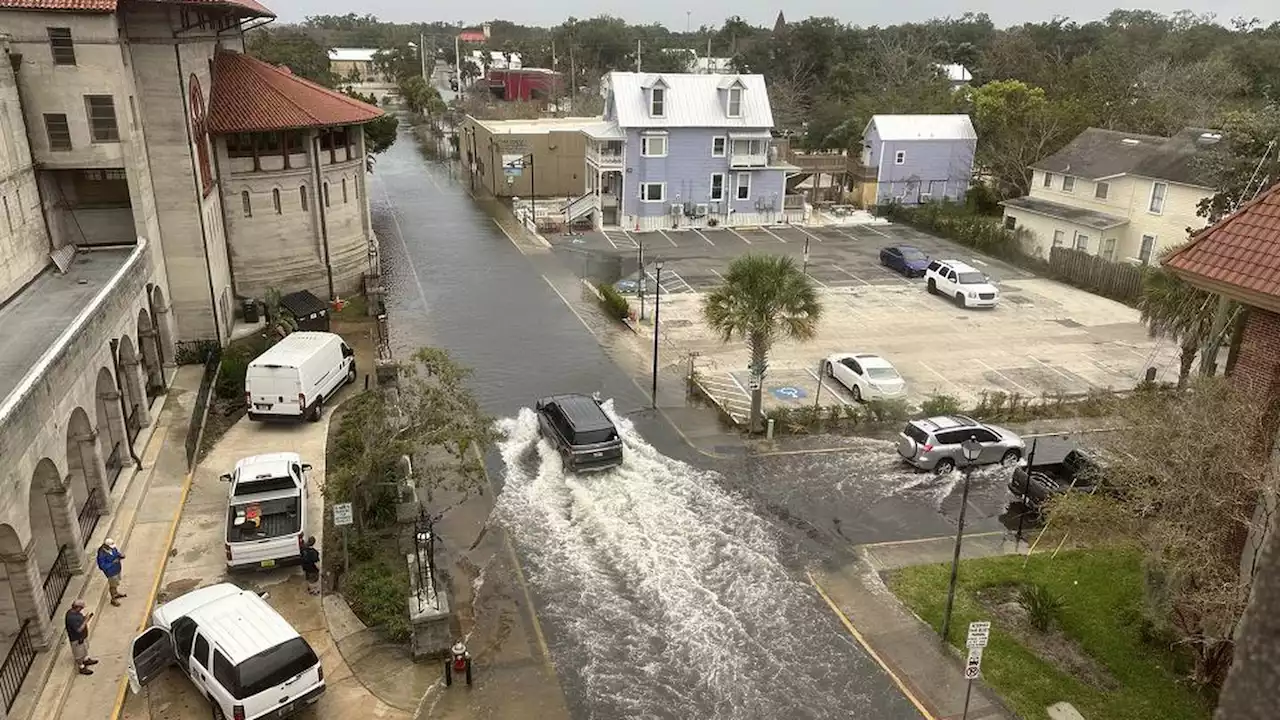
[[55, 584], [90, 512], [605, 157], [16, 665], [752, 154]]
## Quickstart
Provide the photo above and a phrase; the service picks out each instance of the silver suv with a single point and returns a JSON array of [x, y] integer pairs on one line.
[[934, 444]]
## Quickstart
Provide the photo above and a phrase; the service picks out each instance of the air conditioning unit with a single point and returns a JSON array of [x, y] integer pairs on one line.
[[700, 210], [926, 197], [677, 209]]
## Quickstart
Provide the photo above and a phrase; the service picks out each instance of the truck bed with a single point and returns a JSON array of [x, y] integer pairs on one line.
[[279, 517]]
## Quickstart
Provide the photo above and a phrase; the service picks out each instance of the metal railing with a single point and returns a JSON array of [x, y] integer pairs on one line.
[[115, 464], [133, 424], [55, 584], [89, 515], [793, 202], [16, 665], [207, 381]]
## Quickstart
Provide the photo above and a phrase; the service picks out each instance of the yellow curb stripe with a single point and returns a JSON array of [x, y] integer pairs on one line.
[[865, 646], [155, 588]]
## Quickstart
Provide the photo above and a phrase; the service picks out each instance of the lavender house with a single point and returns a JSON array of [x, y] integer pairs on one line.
[[681, 150], [911, 159]]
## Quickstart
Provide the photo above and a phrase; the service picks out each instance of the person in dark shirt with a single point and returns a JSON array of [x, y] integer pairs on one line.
[[78, 634], [311, 566]]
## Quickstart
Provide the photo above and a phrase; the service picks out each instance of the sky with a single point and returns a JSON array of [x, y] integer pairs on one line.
[[675, 14]]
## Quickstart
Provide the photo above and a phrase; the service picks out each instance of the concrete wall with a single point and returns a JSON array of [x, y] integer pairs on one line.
[[24, 241], [942, 168]]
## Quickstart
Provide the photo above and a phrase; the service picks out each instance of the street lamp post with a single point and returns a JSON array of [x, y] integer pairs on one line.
[[971, 449], [657, 305]]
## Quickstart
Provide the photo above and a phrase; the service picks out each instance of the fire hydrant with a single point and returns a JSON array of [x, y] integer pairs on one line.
[[458, 663]]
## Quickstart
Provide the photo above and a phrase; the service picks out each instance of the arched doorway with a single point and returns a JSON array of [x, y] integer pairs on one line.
[[10, 618], [85, 473], [56, 546], [149, 356], [135, 405], [163, 324], [112, 437]]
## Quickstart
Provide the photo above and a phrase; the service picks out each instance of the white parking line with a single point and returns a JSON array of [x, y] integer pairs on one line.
[[824, 384], [941, 377], [855, 277], [740, 236], [872, 229], [806, 232], [1006, 377], [776, 235], [717, 274], [735, 382], [849, 235], [669, 238], [675, 282], [630, 239], [611, 242], [822, 284], [704, 237], [1054, 369]]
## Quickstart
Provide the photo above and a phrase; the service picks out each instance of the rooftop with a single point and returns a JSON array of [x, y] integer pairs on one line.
[[1070, 213], [923, 127], [352, 54], [692, 100], [1239, 256], [250, 95], [539, 126], [1096, 154], [33, 321], [248, 8]]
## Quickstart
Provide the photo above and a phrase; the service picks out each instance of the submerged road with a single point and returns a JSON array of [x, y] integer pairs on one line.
[[662, 594]]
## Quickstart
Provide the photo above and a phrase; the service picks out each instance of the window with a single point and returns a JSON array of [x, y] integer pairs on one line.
[[275, 199], [246, 203], [1068, 183], [1158, 190], [653, 192], [302, 197], [743, 186], [735, 102], [201, 651], [101, 111], [55, 126], [1010, 222], [1109, 248], [1082, 242], [718, 146], [1100, 190], [658, 102], [1048, 180], [355, 186], [62, 47], [653, 146], [272, 667], [224, 672], [8, 216], [326, 194], [240, 145], [344, 191], [1148, 246], [717, 187], [1058, 238], [900, 157]]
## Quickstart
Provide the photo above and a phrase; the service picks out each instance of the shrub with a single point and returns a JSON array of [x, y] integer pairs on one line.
[[782, 418], [853, 414], [1041, 604], [888, 410], [938, 404], [379, 596], [613, 302]]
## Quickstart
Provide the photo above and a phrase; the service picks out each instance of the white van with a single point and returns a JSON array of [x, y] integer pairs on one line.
[[240, 653], [295, 376], [266, 510]]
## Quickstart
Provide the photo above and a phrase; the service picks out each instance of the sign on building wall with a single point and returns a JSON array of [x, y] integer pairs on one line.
[[513, 165]]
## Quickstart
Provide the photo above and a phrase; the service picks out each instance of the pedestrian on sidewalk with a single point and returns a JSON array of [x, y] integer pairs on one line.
[[311, 566], [78, 634], [109, 557]]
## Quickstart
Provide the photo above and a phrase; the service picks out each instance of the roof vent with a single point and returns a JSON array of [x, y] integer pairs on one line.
[[1131, 141], [1209, 138]]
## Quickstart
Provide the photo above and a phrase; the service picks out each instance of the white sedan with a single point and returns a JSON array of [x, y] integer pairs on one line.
[[866, 376]]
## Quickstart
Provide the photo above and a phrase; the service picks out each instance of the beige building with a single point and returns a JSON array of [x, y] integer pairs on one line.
[[554, 149], [150, 177], [356, 70], [1121, 196]]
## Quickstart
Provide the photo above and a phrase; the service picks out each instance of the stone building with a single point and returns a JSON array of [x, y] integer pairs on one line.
[[150, 175]]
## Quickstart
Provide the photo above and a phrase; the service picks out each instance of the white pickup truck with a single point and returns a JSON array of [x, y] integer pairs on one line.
[[266, 511]]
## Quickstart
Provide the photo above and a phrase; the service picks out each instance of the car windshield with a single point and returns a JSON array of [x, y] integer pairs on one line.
[[972, 278], [882, 373], [912, 254], [272, 667]]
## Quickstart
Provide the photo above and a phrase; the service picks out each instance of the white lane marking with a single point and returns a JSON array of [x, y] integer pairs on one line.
[[605, 233], [735, 382], [824, 285], [1054, 369], [806, 232], [823, 383], [568, 304], [704, 237], [940, 376], [976, 261], [1006, 377], [855, 277], [630, 239], [668, 237], [740, 236], [776, 235], [872, 229], [717, 274]]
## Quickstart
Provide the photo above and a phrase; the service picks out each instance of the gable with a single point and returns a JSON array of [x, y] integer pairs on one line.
[[692, 100]]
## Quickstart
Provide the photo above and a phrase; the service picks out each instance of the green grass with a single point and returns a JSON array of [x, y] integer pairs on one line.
[[1101, 590]]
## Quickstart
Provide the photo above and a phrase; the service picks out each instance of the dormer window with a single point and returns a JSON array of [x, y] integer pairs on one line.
[[657, 102], [735, 102]]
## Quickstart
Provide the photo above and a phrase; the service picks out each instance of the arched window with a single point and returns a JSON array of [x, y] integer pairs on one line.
[[344, 191], [246, 204], [275, 199], [355, 185], [326, 194], [200, 134], [302, 197]]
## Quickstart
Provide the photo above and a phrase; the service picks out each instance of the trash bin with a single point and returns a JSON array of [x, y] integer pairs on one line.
[[251, 311]]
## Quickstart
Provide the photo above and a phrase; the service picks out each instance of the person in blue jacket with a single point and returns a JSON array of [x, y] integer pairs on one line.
[[109, 557]]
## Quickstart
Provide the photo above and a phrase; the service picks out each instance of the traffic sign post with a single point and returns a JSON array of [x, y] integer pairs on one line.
[[979, 633], [343, 517]]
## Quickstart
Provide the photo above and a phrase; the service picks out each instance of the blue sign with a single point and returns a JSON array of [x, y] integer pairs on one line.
[[787, 392]]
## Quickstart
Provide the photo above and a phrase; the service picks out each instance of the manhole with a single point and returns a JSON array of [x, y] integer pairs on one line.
[[1068, 322]]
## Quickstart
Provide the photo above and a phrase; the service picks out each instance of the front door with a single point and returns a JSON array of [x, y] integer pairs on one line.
[[151, 653]]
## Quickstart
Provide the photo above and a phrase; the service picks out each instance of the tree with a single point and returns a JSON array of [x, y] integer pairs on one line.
[[764, 298], [421, 97], [379, 134], [1173, 308], [1017, 125], [1187, 484], [1246, 162], [398, 63], [295, 49]]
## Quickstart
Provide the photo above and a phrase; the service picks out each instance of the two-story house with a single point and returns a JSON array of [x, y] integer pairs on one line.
[[680, 150], [912, 159], [1121, 196]]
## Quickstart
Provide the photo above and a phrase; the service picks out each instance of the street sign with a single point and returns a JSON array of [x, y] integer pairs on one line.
[[979, 632], [753, 383], [513, 165], [973, 666], [342, 514]]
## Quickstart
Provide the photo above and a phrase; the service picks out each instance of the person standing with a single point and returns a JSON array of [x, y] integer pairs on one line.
[[109, 557], [311, 566], [78, 634]]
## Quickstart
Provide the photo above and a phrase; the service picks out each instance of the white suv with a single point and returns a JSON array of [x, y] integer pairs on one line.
[[968, 286]]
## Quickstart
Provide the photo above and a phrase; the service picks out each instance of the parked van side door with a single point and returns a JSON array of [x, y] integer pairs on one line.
[[199, 664]]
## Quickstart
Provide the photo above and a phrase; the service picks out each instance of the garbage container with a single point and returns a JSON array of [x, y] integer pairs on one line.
[[251, 311]]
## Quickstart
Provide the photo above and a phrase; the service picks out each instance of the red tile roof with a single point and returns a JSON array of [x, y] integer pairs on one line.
[[253, 8], [1239, 256], [250, 95]]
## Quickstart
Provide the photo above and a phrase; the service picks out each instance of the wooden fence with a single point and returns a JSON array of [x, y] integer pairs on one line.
[[1118, 281]]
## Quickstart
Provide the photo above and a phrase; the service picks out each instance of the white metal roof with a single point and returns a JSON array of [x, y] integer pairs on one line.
[[352, 54], [270, 464], [923, 127], [692, 100], [293, 349], [538, 126], [242, 625], [956, 72]]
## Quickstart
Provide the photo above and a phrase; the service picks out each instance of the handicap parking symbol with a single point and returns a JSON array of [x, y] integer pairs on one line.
[[787, 392]]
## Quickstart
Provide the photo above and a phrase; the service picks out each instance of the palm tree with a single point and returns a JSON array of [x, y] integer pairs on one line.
[[763, 298], [1173, 308]]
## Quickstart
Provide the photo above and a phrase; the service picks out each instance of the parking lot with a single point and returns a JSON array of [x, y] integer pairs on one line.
[[1045, 338]]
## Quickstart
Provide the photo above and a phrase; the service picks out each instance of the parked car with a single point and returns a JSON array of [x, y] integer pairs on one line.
[[266, 511], [1078, 471], [865, 376], [238, 651], [295, 377], [908, 260], [934, 444], [968, 286], [578, 428]]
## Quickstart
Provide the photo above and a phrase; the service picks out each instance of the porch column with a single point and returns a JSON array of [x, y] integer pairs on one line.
[[148, 351], [28, 595], [66, 527], [135, 381], [116, 432], [162, 320], [95, 470]]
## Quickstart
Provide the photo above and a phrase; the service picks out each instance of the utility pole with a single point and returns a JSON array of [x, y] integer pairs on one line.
[[708, 56], [688, 18], [637, 54], [457, 58], [554, 60], [422, 53]]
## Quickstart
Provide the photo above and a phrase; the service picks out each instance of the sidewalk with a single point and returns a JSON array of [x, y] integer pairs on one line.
[[142, 524], [929, 674]]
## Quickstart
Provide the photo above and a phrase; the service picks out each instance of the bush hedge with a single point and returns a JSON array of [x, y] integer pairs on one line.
[[613, 302]]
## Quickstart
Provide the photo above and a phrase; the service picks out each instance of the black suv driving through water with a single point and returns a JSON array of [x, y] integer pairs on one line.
[[580, 431]]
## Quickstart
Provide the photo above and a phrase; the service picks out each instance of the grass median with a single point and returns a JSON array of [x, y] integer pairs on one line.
[[1095, 650]]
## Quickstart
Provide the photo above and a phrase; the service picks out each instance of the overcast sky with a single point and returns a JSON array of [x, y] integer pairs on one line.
[[672, 13]]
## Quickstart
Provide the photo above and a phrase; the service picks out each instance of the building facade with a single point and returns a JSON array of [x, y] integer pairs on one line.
[[551, 153], [913, 159], [355, 70]]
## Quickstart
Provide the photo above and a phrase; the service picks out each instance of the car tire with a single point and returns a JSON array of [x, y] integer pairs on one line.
[[317, 410], [829, 369], [856, 392], [944, 466], [932, 287], [959, 300], [217, 710], [1010, 458], [351, 374]]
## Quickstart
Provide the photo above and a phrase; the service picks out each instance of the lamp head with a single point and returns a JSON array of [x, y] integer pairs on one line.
[[971, 449], [659, 264]]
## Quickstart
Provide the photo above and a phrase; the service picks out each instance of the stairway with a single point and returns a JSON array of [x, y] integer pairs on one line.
[[62, 257], [580, 206]]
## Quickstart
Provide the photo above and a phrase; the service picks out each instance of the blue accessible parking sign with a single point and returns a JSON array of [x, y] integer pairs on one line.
[[788, 392]]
